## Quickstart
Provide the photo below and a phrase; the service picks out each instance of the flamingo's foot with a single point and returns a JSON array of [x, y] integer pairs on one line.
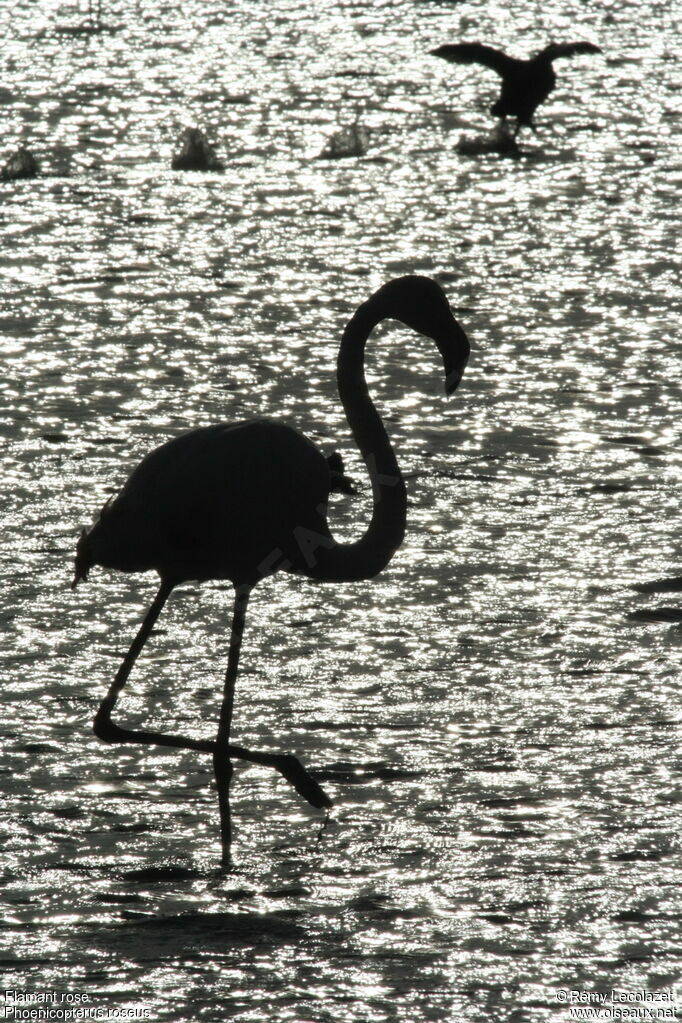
[[289, 766], [295, 773]]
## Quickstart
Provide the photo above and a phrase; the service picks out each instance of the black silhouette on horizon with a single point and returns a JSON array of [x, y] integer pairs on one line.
[[241, 501], [525, 83]]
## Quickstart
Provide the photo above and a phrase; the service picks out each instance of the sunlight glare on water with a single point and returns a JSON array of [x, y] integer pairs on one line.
[[496, 717]]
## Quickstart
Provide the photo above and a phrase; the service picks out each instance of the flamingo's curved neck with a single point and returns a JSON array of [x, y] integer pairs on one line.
[[369, 555]]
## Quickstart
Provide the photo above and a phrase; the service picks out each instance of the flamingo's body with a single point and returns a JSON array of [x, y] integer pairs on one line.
[[241, 501], [215, 503], [525, 83]]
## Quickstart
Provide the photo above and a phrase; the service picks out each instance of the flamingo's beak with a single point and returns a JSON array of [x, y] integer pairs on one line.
[[454, 350], [452, 380], [454, 347]]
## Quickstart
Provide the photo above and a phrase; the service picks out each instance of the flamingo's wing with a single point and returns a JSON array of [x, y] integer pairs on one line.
[[555, 50], [476, 53]]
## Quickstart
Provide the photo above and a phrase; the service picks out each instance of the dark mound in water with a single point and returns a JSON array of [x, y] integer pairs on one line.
[[351, 141], [196, 153], [21, 164], [501, 141]]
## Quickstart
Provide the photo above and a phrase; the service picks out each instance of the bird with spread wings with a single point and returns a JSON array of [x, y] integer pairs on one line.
[[525, 83]]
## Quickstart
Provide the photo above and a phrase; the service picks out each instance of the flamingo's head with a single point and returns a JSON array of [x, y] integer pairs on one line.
[[420, 304]]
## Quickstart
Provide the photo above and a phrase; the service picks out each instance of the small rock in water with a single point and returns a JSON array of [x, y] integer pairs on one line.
[[501, 141], [196, 153], [21, 164], [351, 141]]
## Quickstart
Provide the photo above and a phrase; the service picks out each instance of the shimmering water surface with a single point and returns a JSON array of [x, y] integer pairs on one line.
[[497, 716]]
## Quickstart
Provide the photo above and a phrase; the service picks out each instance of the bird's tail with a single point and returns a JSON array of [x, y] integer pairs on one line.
[[83, 560], [337, 478]]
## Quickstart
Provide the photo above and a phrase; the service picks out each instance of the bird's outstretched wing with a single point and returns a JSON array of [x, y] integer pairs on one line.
[[555, 50], [476, 53]]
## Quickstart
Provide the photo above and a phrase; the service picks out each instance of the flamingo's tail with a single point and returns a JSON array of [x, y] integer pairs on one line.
[[83, 560]]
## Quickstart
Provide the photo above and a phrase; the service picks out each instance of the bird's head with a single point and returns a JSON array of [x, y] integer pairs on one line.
[[420, 304]]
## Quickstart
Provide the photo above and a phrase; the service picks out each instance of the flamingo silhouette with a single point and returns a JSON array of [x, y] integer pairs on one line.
[[241, 501], [525, 83]]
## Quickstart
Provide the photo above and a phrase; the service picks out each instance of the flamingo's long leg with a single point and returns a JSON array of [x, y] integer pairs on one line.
[[107, 730], [103, 724], [222, 765]]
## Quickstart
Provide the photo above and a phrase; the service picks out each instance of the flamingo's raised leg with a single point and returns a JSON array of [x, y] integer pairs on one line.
[[289, 766]]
